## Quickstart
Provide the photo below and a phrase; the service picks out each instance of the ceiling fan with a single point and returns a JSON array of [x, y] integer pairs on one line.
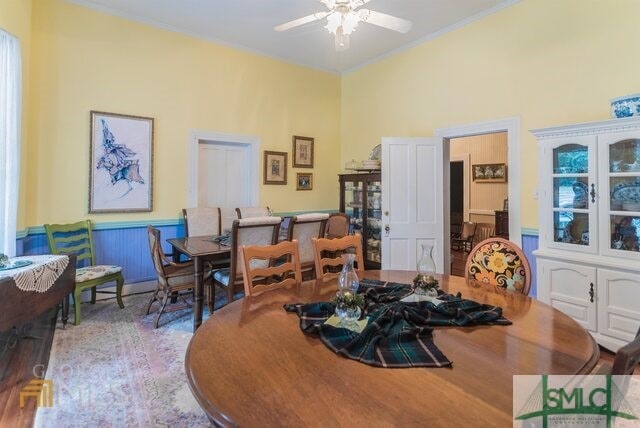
[[343, 18]]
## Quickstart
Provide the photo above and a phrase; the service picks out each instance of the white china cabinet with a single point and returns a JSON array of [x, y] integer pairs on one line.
[[588, 260]]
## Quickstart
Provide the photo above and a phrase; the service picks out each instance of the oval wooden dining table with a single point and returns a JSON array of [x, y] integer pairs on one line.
[[250, 364]]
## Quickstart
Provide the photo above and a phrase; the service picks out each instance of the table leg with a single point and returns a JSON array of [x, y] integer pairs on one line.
[[65, 310], [197, 300]]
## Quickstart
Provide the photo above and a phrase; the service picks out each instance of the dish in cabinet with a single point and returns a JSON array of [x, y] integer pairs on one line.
[[627, 192]]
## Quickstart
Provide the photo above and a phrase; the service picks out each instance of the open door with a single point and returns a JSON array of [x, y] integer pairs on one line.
[[412, 201]]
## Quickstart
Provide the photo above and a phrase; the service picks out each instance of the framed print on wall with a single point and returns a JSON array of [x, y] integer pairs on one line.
[[304, 181], [302, 152], [489, 173], [275, 167], [120, 163]]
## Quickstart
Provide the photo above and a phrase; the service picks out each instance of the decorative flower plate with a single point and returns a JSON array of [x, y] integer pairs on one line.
[[628, 192], [15, 265]]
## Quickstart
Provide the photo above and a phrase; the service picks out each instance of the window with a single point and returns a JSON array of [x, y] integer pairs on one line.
[[10, 110]]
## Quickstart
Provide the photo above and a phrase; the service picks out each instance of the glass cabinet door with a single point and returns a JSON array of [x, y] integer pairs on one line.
[[374, 220], [353, 201], [573, 202], [624, 194]]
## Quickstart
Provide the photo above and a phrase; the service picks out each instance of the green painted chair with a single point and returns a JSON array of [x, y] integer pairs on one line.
[[76, 239]]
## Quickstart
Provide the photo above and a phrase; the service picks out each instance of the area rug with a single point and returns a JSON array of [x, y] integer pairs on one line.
[[115, 369]]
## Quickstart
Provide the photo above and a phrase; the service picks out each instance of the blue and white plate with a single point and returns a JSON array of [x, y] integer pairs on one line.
[[628, 191], [15, 265]]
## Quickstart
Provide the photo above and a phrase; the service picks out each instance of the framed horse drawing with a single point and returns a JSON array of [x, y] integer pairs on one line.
[[121, 163]]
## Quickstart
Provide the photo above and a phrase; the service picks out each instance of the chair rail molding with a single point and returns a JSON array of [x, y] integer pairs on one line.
[[198, 136]]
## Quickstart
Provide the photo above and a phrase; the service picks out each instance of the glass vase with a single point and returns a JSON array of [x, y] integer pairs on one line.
[[348, 279], [426, 266]]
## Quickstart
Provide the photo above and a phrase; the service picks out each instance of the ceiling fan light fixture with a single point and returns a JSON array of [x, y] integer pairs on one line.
[[342, 40]]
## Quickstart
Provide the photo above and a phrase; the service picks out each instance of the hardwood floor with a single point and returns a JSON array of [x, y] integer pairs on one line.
[[458, 260], [20, 364]]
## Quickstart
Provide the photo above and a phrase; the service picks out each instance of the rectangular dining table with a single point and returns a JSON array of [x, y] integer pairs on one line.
[[199, 249]]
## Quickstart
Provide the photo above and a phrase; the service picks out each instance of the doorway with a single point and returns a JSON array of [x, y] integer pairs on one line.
[[224, 172], [512, 127]]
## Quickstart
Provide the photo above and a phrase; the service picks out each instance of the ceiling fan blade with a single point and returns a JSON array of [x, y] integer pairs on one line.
[[384, 20], [301, 21]]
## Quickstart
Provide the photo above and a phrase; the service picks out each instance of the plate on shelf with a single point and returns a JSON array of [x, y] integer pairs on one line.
[[17, 264], [376, 153], [627, 192]]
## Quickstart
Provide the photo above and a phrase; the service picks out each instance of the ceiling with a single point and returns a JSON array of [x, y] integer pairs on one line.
[[248, 25]]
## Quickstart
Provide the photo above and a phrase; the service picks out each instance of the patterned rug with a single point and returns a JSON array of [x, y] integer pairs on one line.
[[115, 369]]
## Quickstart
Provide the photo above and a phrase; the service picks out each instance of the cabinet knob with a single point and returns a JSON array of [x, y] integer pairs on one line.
[[591, 293], [386, 213], [593, 193]]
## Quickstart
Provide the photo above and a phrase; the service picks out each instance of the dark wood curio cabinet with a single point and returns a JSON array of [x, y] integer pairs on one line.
[[360, 198]]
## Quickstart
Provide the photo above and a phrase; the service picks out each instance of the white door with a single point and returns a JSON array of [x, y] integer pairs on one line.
[[224, 171], [412, 201]]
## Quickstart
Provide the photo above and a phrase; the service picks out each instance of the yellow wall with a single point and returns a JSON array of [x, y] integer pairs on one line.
[[549, 62], [15, 17], [84, 60]]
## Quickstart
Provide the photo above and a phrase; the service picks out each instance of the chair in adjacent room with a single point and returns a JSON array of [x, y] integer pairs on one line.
[[463, 239], [201, 221], [337, 225], [328, 255], [303, 228], [261, 272], [248, 212], [483, 231], [77, 238], [501, 263], [249, 231]]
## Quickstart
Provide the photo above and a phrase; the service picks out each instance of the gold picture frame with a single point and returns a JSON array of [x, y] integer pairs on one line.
[[275, 167], [304, 181], [302, 152], [489, 173]]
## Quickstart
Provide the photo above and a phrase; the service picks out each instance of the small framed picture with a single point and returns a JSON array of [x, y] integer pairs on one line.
[[302, 152], [489, 173], [304, 181], [275, 167], [505, 205]]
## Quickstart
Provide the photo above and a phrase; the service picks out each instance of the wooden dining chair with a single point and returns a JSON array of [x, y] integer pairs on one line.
[[625, 361], [328, 255], [498, 262], [248, 212], [201, 221], [464, 239], [303, 228], [270, 267], [175, 280], [249, 231], [205, 221], [483, 231], [77, 239], [337, 225]]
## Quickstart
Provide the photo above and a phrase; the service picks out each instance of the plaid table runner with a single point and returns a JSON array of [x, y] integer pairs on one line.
[[398, 334]]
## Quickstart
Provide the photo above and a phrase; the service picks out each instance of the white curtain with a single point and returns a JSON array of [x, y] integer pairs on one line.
[[10, 109]]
